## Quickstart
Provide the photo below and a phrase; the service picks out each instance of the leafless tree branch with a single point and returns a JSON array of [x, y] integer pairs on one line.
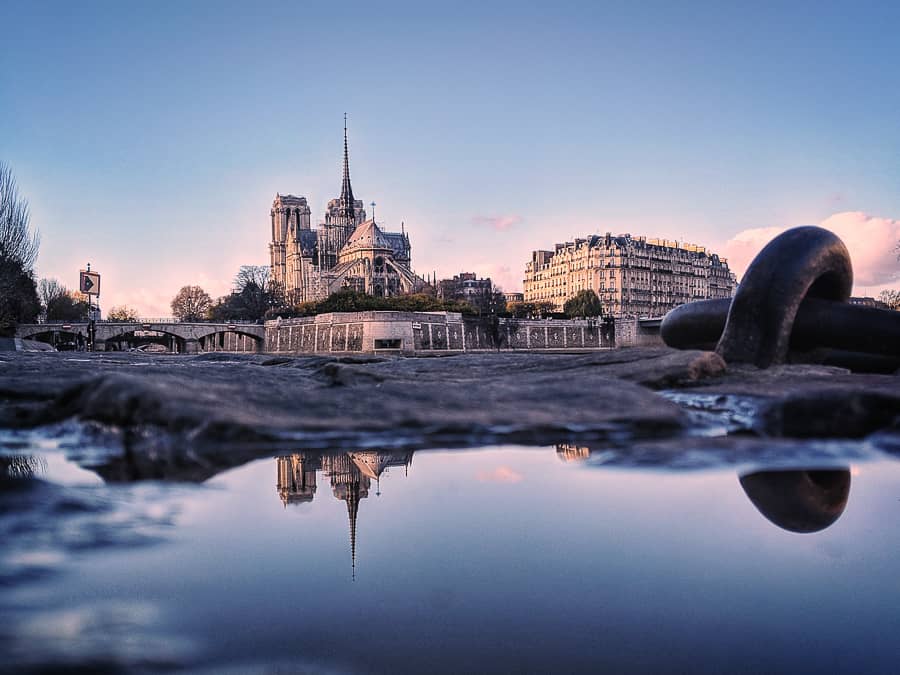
[[17, 243]]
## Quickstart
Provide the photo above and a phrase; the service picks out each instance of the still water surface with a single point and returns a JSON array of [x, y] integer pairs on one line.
[[501, 559]]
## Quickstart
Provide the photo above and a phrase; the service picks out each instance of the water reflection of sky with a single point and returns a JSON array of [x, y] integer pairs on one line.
[[500, 559]]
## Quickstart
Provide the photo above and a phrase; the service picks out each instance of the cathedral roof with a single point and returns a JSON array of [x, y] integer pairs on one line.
[[397, 241], [367, 235], [371, 463]]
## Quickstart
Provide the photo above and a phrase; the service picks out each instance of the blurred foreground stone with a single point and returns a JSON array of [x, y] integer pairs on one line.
[[314, 401]]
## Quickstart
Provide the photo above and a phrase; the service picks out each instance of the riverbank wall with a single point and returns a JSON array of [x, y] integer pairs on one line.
[[422, 333]]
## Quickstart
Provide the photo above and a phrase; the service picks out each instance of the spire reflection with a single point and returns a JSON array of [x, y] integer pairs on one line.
[[350, 474], [802, 501]]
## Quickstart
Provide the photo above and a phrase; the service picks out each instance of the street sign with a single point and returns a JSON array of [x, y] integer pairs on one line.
[[89, 283]]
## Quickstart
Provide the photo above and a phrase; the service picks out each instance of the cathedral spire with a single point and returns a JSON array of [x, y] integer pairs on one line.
[[352, 511], [347, 209]]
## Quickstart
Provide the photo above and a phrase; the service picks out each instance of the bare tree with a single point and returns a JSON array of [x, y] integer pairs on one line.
[[122, 313], [59, 303], [256, 275], [17, 243], [191, 304], [254, 294], [18, 250], [50, 290], [891, 298]]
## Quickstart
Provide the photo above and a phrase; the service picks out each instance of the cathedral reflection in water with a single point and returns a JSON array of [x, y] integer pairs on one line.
[[350, 473], [797, 500]]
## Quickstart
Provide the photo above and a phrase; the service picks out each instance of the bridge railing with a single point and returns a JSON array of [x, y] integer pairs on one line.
[[157, 320], [169, 319]]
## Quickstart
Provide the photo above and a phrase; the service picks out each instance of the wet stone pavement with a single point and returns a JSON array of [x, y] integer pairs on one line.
[[641, 510]]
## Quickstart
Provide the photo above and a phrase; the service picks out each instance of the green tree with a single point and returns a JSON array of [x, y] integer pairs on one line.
[[583, 304], [253, 296], [66, 307], [349, 300], [19, 301]]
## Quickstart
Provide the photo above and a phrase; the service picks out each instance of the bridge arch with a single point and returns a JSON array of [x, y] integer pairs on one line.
[[230, 340], [62, 338], [121, 338], [179, 337], [186, 338], [30, 331]]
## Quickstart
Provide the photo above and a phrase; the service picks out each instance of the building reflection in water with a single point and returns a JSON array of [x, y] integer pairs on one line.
[[796, 500], [572, 453], [350, 473]]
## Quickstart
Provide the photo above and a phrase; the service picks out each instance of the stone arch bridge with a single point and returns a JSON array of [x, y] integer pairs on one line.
[[187, 338]]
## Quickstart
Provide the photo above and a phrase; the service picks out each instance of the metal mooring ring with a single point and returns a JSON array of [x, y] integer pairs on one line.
[[793, 295]]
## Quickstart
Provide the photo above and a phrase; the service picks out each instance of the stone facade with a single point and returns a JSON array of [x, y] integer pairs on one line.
[[632, 276], [347, 250], [430, 332]]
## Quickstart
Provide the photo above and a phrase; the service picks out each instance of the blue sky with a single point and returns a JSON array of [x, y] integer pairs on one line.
[[150, 138]]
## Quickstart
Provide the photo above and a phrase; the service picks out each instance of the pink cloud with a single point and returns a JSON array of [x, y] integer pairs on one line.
[[499, 223], [503, 276], [871, 240], [502, 474]]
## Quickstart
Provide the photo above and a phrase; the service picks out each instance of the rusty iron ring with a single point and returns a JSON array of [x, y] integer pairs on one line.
[[791, 305]]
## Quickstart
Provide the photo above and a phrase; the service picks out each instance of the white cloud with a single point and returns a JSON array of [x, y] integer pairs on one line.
[[871, 240]]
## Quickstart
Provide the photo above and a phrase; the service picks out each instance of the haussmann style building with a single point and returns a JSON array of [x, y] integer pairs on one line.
[[347, 250], [634, 277]]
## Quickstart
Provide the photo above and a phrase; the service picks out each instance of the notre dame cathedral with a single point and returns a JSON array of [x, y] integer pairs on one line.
[[346, 251]]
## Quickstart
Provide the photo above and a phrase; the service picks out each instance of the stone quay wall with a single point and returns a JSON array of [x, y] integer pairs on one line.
[[630, 333], [440, 332]]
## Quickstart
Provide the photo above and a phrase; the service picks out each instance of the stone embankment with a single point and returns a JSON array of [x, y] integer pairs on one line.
[[183, 415], [20, 345]]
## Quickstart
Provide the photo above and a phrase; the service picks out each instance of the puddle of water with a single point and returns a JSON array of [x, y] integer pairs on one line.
[[502, 559]]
